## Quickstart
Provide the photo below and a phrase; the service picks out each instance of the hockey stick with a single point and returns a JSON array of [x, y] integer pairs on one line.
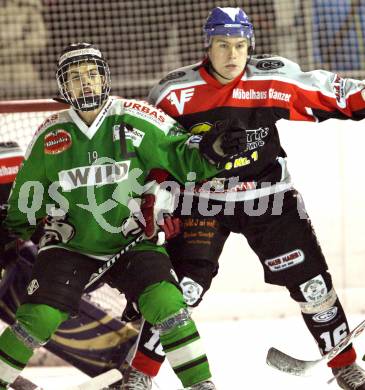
[[286, 363], [97, 383], [108, 264], [100, 382]]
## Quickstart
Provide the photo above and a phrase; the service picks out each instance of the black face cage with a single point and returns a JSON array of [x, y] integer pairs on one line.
[[91, 101]]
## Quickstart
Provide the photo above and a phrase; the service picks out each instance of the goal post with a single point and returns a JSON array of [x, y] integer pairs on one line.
[[28, 106]]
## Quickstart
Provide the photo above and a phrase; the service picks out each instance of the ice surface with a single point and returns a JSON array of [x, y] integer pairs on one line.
[[237, 352]]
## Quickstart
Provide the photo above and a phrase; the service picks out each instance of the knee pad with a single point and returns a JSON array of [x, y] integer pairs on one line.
[[160, 301], [315, 295], [35, 323]]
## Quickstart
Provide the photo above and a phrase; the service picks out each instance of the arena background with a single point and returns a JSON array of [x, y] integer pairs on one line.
[[143, 39]]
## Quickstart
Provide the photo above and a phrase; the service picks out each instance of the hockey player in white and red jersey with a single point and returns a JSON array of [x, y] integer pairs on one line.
[[233, 89]]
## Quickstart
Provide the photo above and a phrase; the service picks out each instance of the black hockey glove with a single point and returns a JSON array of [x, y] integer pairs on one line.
[[225, 139]]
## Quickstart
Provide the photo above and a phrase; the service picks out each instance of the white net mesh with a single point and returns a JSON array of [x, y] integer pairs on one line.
[[110, 299], [20, 127], [142, 39], [20, 119]]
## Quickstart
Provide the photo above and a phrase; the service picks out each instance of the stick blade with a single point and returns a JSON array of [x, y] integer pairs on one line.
[[99, 382], [285, 363]]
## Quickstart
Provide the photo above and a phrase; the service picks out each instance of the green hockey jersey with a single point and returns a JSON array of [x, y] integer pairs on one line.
[[87, 177]]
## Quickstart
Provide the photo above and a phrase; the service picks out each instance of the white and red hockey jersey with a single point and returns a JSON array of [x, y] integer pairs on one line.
[[271, 88]]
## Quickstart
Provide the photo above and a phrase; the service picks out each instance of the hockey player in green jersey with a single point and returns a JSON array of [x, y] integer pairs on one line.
[[83, 170]]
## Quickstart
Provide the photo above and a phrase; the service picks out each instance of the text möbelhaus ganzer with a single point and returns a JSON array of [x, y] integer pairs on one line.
[[252, 94]]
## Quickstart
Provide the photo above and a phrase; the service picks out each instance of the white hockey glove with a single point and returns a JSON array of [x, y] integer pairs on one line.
[[153, 215], [157, 208]]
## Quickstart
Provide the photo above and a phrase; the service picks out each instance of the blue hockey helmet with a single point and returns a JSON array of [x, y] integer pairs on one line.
[[231, 22]]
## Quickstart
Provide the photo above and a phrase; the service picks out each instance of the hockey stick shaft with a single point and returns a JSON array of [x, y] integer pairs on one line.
[[97, 383], [100, 382], [286, 363], [109, 264]]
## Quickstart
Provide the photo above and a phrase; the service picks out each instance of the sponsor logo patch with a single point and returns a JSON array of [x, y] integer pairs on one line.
[[326, 315], [135, 135], [81, 52], [94, 175], [172, 76], [192, 290], [269, 64], [252, 94], [338, 86], [285, 261], [57, 142], [322, 305], [179, 101], [145, 110], [32, 286], [255, 137], [315, 289]]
